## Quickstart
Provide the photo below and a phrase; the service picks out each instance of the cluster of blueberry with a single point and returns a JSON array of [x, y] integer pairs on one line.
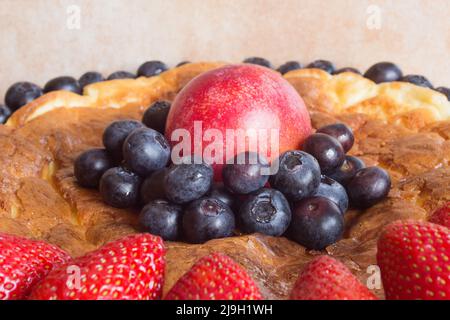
[[305, 199], [378, 73], [21, 93]]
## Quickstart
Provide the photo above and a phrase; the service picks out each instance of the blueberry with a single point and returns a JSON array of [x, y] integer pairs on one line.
[[186, 182], [265, 211], [90, 78], [5, 112], [417, 80], [119, 187], [146, 150], [317, 222], [334, 191], [326, 149], [182, 63], [162, 218], [348, 169], [115, 134], [90, 166], [298, 175], [21, 93], [152, 187], [368, 187], [207, 219], [324, 65], [289, 66], [348, 69], [248, 172], [259, 61], [121, 75], [155, 117], [445, 91], [63, 83], [151, 68], [384, 72], [341, 132], [219, 192]]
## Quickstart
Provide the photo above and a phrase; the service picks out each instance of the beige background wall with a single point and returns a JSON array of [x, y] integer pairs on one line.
[[37, 44]]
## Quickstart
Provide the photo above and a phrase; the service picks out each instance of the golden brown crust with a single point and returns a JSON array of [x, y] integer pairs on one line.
[[401, 127]]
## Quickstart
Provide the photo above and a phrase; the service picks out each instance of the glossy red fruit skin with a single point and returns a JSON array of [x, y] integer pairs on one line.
[[215, 277], [442, 215], [131, 268], [23, 263], [242, 96], [326, 278], [414, 259]]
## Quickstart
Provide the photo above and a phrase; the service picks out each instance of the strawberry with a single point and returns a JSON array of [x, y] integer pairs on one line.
[[215, 277], [442, 215], [131, 268], [325, 278], [414, 258], [23, 263]]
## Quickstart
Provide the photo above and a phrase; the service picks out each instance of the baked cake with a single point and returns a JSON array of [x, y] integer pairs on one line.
[[398, 126]]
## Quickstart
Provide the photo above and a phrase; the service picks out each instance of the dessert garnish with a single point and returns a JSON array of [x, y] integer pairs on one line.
[[325, 278], [414, 258], [215, 277], [131, 268]]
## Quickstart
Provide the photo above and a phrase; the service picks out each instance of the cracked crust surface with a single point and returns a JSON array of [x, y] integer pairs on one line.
[[401, 127]]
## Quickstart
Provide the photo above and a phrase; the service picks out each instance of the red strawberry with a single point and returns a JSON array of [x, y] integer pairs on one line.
[[128, 269], [442, 215], [414, 258], [326, 278], [23, 263], [215, 277]]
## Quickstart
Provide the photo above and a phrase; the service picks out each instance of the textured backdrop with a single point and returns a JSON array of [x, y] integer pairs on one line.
[[40, 39]]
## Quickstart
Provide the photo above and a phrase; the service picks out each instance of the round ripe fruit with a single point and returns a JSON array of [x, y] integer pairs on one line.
[[326, 149], [152, 187], [151, 68], [90, 166], [155, 117], [384, 72], [186, 182], [348, 69], [115, 134], [289, 66], [121, 75], [333, 191], [5, 112], [21, 93], [368, 187], [266, 211], [341, 132], [298, 175], [162, 218], [348, 170], [417, 80], [317, 222], [445, 91], [146, 150], [259, 61], [119, 187], [324, 65], [63, 83], [90, 78], [219, 192], [245, 97], [207, 219], [248, 172]]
